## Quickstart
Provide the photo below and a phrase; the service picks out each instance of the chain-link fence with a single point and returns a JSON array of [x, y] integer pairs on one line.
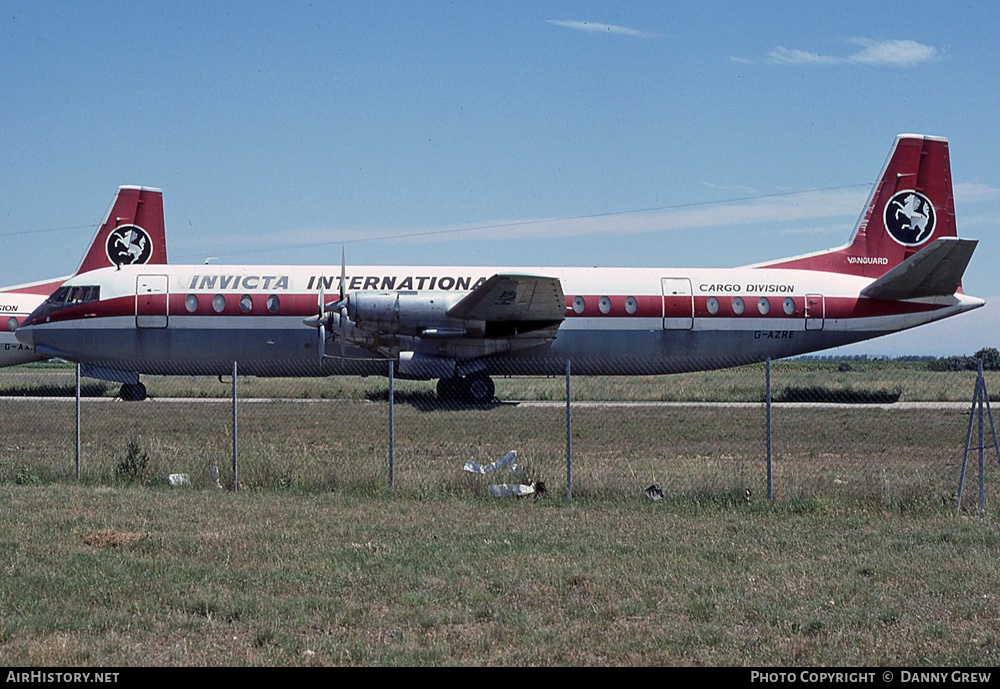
[[892, 433]]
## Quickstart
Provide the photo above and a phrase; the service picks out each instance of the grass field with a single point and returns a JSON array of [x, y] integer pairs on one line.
[[126, 576], [859, 560], [912, 381]]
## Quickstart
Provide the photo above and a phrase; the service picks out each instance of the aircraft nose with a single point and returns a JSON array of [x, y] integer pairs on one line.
[[25, 334]]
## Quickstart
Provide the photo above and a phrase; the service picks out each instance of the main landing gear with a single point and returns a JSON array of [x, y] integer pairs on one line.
[[477, 388], [133, 392]]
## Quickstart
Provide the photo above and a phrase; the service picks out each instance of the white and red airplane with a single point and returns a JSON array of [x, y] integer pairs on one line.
[[902, 268], [132, 233]]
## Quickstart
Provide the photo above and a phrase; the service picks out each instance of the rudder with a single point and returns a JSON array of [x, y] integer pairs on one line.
[[910, 206], [132, 231]]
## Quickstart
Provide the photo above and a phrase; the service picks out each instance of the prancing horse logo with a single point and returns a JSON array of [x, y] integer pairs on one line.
[[909, 217], [129, 245]]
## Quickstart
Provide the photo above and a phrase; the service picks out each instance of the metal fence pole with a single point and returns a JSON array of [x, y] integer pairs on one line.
[[78, 422], [569, 438], [236, 482], [392, 439], [981, 383], [767, 404]]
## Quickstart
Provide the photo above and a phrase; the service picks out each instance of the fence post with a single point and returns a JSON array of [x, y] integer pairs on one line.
[[981, 382], [78, 422], [767, 404], [392, 419], [569, 438], [236, 482]]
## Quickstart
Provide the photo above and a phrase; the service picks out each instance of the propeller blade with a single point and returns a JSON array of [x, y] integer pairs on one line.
[[343, 298], [343, 271], [340, 320], [320, 319]]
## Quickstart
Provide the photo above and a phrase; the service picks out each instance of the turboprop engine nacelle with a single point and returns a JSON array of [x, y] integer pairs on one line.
[[423, 314]]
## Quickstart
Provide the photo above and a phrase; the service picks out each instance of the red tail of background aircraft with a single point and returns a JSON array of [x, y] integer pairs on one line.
[[131, 233]]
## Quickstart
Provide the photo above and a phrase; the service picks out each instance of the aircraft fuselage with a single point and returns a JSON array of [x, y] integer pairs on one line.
[[199, 319]]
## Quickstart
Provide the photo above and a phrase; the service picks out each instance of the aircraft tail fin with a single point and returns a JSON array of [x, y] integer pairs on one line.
[[132, 231], [911, 206]]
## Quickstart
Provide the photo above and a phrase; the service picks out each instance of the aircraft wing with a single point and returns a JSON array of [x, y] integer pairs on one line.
[[933, 272], [510, 297]]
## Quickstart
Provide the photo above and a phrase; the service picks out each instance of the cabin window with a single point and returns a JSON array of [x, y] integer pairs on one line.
[[763, 305], [604, 305], [12, 324], [218, 303], [191, 303], [246, 303], [273, 303], [738, 305], [579, 304], [631, 305], [712, 305], [789, 306]]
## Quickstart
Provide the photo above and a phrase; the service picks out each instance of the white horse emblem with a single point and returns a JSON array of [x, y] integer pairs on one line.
[[128, 245], [912, 218]]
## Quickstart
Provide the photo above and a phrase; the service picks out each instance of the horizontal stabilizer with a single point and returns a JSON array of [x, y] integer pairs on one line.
[[510, 297], [933, 272]]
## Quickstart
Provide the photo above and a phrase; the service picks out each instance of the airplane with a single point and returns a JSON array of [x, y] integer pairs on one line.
[[131, 233], [901, 268]]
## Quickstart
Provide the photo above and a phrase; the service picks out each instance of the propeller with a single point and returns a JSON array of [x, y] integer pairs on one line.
[[321, 320], [341, 303], [324, 316]]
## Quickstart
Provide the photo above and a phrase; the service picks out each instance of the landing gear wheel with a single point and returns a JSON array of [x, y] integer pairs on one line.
[[448, 388], [474, 389], [133, 392], [479, 389]]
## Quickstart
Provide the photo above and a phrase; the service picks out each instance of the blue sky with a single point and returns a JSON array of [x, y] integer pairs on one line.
[[571, 133]]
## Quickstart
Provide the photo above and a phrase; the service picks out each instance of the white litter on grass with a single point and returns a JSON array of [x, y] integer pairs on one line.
[[179, 480], [507, 490], [508, 458], [504, 490]]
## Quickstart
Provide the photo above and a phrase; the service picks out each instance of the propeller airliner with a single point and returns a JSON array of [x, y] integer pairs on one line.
[[901, 268]]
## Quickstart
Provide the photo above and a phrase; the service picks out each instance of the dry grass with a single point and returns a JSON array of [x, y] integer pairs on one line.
[[277, 578], [858, 561]]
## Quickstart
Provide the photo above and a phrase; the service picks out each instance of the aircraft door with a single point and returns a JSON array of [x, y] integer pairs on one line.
[[678, 304], [815, 311], [151, 301]]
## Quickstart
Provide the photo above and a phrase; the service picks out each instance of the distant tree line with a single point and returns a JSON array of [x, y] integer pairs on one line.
[[988, 355]]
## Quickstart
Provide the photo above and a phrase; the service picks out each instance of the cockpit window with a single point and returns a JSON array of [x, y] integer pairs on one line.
[[70, 296], [58, 298], [83, 294]]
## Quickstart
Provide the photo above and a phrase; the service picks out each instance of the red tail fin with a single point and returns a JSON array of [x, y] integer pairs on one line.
[[911, 205], [132, 231]]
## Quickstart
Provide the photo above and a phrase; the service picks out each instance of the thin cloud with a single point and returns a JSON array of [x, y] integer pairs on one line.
[[834, 207], [793, 56], [971, 192], [592, 27], [898, 53], [887, 53]]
